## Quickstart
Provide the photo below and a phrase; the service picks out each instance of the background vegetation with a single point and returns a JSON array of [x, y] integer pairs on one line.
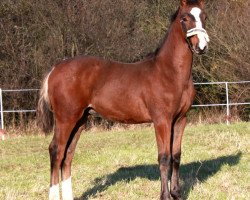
[[35, 34], [123, 165]]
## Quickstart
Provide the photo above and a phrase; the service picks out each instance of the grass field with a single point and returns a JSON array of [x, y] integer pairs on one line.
[[123, 165]]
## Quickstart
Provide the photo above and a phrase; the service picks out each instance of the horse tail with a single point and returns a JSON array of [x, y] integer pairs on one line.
[[45, 118]]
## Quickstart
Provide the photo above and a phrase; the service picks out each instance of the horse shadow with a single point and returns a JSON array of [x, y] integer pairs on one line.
[[190, 174]]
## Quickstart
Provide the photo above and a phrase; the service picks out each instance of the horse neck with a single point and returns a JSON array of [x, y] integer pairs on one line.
[[175, 55]]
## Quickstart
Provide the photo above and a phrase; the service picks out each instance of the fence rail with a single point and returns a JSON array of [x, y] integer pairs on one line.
[[1, 110], [18, 111], [227, 104]]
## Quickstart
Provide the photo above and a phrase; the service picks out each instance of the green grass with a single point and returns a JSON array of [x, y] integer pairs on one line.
[[123, 165]]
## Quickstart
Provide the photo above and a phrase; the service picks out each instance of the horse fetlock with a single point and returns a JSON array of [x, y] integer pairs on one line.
[[176, 192]]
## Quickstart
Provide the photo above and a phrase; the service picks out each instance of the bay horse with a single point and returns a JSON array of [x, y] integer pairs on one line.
[[158, 89]]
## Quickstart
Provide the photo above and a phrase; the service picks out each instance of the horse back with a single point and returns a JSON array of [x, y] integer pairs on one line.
[[115, 90], [118, 91]]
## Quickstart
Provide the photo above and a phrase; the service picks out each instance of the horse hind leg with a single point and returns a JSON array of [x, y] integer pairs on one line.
[[67, 193], [56, 149]]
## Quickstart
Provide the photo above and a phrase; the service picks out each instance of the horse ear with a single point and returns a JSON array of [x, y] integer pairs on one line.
[[183, 2]]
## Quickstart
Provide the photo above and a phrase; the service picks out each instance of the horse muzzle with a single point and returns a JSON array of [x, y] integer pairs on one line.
[[203, 39], [200, 51]]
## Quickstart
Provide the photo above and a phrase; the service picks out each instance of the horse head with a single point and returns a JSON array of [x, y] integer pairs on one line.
[[192, 18]]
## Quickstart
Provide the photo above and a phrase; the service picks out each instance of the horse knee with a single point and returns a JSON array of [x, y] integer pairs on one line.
[[176, 158], [164, 160]]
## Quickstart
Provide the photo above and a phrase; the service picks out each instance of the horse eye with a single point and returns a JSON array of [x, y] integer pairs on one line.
[[185, 19], [204, 16]]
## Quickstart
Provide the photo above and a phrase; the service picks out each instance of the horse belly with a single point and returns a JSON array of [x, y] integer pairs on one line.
[[122, 110]]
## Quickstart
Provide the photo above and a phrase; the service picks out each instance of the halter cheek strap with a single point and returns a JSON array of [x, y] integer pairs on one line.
[[198, 31]]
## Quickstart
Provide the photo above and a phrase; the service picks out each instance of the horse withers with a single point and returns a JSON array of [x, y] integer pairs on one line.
[[158, 89]]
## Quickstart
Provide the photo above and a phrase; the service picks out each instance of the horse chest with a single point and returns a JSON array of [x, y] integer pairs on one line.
[[187, 98]]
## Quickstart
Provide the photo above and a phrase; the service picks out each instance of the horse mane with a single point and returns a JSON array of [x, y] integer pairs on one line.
[[172, 19], [173, 16], [192, 2], [156, 51]]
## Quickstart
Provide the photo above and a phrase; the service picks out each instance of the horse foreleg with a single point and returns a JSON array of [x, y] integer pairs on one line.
[[178, 130], [57, 150], [163, 136]]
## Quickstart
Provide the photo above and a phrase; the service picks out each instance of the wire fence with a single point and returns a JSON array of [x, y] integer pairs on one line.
[[227, 104]]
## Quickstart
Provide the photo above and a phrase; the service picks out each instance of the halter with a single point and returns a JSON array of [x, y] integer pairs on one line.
[[198, 31], [194, 31]]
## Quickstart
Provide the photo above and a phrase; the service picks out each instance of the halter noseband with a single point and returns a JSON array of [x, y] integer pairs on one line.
[[195, 31], [198, 31]]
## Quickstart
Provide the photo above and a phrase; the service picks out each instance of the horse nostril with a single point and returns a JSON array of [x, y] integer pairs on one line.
[[205, 49], [199, 50], [202, 51]]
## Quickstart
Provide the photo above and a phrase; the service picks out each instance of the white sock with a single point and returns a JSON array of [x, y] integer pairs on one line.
[[54, 192], [67, 193]]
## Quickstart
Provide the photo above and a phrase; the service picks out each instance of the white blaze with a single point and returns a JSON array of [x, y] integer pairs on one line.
[[202, 39], [67, 193]]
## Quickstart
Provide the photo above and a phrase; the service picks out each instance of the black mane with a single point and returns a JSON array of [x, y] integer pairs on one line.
[[192, 2], [173, 17]]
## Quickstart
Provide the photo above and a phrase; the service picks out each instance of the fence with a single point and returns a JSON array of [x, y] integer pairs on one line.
[[227, 104], [2, 111], [1, 116]]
